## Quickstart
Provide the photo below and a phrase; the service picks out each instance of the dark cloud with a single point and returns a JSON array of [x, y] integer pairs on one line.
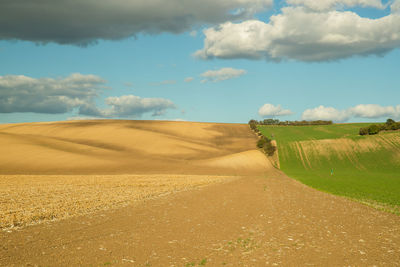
[[82, 22], [20, 93]]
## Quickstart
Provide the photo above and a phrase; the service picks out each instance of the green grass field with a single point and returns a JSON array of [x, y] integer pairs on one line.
[[366, 168]]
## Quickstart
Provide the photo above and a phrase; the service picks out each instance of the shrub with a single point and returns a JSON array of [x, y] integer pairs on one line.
[[373, 129], [285, 123], [269, 149], [270, 122], [390, 122], [395, 126], [390, 125], [364, 131], [261, 143], [266, 145]]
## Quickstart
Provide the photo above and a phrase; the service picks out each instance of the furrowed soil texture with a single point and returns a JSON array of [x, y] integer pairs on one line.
[[250, 221], [30, 199], [56, 170], [334, 158], [125, 147], [140, 193]]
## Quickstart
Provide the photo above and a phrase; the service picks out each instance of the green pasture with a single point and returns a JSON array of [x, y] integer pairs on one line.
[[371, 176]]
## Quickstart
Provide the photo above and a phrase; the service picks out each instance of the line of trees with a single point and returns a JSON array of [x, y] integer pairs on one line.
[[390, 125], [264, 142], [289, 123]]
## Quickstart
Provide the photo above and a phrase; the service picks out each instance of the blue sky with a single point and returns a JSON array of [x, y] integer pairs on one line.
[[359, 85]]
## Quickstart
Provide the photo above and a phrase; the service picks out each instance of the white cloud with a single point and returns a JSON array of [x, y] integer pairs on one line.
[[269, 110], [375, 111], [86, 21], [130, 105], [19, 93], [189, 79], [325, 113], [371, 111], [222, 74], [299, 33], [324, 5], [395, 7]]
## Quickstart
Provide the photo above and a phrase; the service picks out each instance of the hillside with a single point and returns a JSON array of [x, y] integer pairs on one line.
[[126, 147], [61, 169], [334, 158], [146, 214]]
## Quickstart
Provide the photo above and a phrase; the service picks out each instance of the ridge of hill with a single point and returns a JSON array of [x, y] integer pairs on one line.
[[127, 147]]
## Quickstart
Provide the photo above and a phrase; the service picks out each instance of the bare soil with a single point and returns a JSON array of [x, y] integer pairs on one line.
[[32, 199], [261, 218], [126, 147], [253, 221]]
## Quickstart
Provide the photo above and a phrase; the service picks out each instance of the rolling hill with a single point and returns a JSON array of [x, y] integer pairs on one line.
[[127, 147], [335, 159]]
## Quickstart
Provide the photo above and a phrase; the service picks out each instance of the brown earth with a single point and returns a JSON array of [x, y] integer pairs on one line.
[[260, 218], [125, 147], [50, 171], [32, 199]]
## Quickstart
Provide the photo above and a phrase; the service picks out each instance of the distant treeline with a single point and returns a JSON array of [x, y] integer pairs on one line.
[[289, 123], [390, 125], [264, 142]]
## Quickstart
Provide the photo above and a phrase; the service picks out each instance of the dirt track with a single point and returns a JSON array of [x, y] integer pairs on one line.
[[248, 222], [257, 220]]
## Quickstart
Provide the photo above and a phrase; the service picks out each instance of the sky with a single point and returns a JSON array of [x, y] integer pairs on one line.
[[215, 61]]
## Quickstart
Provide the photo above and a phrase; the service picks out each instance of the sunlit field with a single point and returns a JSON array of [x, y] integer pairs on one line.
[[334, 158]]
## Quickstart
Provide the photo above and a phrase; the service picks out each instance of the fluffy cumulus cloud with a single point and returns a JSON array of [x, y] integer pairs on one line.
[[20, 93], [307, 31], [395, 7], [371, 111], [375, 111], [221, 74], [127, 106], [269, 110], [134, 106], [325, 113], [85, 21]]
